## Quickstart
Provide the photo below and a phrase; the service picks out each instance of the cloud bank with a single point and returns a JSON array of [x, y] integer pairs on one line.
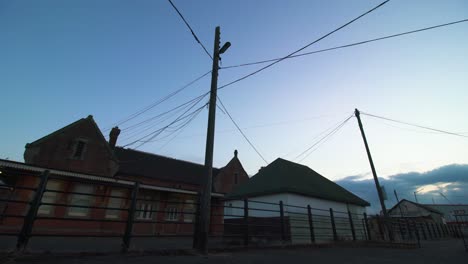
[[450, 180]]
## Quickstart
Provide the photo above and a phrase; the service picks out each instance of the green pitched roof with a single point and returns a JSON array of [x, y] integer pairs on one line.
[[282, 176]]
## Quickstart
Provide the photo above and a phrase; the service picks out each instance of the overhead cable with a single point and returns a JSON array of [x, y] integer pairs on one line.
[[155, 133], [240, 130], [331, 133], [158, 102], [304, 47], [415, 125], [347, 45], [191, 30]]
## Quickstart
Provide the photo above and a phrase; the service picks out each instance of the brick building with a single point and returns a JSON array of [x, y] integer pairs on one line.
[[83, 164]]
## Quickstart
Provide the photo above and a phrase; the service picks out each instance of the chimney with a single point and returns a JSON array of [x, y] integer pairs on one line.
[[235, 153], [113, 135]]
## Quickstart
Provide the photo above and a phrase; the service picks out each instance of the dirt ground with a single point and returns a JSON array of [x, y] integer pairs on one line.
[[446, 251]]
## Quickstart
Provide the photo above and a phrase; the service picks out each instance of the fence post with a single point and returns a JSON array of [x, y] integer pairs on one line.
[[379, 223], [130, 218], [416, 232], [429, 231], [246, 222], [438, 230], [353, 232], [388, 223], [332, 219], [459, 231], [197, 222], [410, 234], [422, 230], [402, 233], [283, 229], [433, 230], [454, 231], [311, 224], [366, 221], [28, 223]]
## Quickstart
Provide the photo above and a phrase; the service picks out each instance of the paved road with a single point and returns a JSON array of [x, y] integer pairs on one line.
[[448, 251]]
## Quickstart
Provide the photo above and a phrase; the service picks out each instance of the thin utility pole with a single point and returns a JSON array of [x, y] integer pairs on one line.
[[415, 197], [398, 202], [205, 201], [374, 173]]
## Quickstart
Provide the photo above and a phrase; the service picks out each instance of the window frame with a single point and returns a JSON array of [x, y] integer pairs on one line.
[[189, 210], [172, 213], [147, 206], [53, 197], [236, 178], [114, 213], [75, 148], [90, 200]]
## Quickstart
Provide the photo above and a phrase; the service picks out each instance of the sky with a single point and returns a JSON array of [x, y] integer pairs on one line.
[[64, 60], [443, 185]]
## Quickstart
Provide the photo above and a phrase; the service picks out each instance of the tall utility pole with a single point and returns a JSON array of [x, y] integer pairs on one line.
[[205, 201], [374, 173]]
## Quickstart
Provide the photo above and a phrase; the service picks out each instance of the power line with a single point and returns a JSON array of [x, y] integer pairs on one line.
[[323, 139], [162, 114], [150, 123], [170, 140], [348, 45], [154, 134], [151, 106], [334, 127], [159, 131], [315, 137], [264, 125], [191, 30], [304, 47], [409, 129], [151, 126], [445, 197], [415, 125], [178, 128], [240, 130]]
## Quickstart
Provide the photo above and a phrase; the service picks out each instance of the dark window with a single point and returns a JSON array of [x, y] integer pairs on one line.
[[79, 149], [236, 176]]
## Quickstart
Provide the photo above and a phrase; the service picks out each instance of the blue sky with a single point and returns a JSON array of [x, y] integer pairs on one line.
[[63, 60]]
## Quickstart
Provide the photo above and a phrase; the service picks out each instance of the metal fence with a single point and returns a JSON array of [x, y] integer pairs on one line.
[[27, 214], [461, 226]]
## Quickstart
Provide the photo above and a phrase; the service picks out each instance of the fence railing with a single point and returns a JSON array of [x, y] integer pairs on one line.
[[462, 226], [39, 212]]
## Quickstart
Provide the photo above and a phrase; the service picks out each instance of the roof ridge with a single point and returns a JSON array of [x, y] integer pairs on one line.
[[159, 155], [90, 119], [418, 204], [37, 141], [286, 176]]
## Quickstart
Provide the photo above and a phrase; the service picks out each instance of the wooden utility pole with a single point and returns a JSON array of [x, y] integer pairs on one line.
[[205, 201], [374, 173], [398, 202]]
